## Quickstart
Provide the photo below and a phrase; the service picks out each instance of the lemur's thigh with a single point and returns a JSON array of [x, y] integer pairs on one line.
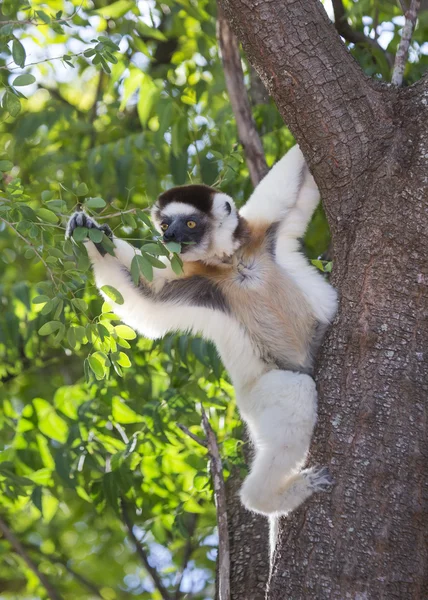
[[280, 411]]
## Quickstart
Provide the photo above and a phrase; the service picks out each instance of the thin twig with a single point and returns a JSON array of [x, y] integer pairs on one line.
[[38, 62], [64, 562], [216, 468], [20, 550], [344, 29], [143, 555], [194, 437], [234, 76], [411, 16], [122, 212]]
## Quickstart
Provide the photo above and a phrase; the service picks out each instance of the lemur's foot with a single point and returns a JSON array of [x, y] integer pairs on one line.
[[267, 497], [81, 219], [319, 478]]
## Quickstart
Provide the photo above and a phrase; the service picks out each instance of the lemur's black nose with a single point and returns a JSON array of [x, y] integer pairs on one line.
[[169, 235]]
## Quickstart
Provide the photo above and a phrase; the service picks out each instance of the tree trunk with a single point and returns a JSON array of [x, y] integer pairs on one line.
[[367, 146]]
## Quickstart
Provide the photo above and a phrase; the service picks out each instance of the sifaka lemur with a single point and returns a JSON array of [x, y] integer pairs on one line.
[[247, 287]]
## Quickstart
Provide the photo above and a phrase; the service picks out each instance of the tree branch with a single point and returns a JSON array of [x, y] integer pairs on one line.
[[19, 549], [403, 48], [351, 35], [143, 555], [234, 76], [216, 469], [194, 437]]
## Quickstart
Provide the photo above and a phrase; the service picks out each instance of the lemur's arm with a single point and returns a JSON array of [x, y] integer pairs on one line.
[[278, 191], [146, 304], [123, 252]]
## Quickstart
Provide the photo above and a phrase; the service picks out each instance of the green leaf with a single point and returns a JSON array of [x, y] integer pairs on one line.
[[6, 165], [96, 366], [115, 10], [124, 414], [43, 16], [96, 235], [173, 247], [11, 104], [156, 249], [130, 86], [50, 423], [125, 332], [123, 360], [148, 93], [113, 293], [23, 80], [80, 304], [177, 265], [145, 267], [144, 217], [80, 233], [49, 327], [40, 299], [18, 53], [95, 202], [150, 32], [82, 189], [154, 261], [47, 215]]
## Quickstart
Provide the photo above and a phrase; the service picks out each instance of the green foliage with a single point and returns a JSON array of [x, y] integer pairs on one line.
[[134, 102]]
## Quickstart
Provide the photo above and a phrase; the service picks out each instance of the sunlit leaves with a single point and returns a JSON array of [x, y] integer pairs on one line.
[[49, 422], [125, 332], [113, 293]]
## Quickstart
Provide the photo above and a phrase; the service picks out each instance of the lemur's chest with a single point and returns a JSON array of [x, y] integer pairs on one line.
[[271, 308]]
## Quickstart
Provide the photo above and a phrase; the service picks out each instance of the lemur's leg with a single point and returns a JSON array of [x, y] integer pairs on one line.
[[278, 191], [320, 294], [281, 413]]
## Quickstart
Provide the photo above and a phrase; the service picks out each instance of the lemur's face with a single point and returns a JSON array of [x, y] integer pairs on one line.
[[198, 217]]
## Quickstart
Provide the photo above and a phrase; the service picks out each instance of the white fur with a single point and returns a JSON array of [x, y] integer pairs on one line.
[[178, 208], [222, 241], [278, 406], [277, 191]]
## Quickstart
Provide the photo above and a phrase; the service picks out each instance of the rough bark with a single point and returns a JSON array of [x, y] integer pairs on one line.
[[367, 146]]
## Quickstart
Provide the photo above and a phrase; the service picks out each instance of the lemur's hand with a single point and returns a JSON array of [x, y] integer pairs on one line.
[[81, 219]]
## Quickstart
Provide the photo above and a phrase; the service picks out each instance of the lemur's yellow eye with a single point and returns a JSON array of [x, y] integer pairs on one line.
[[191, 224], [164, 226]]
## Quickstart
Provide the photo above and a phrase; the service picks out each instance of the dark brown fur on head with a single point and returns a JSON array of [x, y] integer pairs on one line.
[[199, 196]]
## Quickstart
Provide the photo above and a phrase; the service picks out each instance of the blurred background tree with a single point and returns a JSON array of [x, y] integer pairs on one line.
[[107, 104]]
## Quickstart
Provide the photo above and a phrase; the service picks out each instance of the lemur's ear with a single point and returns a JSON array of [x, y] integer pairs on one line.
[[228, 207]]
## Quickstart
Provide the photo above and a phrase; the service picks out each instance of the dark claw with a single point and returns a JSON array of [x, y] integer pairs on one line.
[[81, 219]]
